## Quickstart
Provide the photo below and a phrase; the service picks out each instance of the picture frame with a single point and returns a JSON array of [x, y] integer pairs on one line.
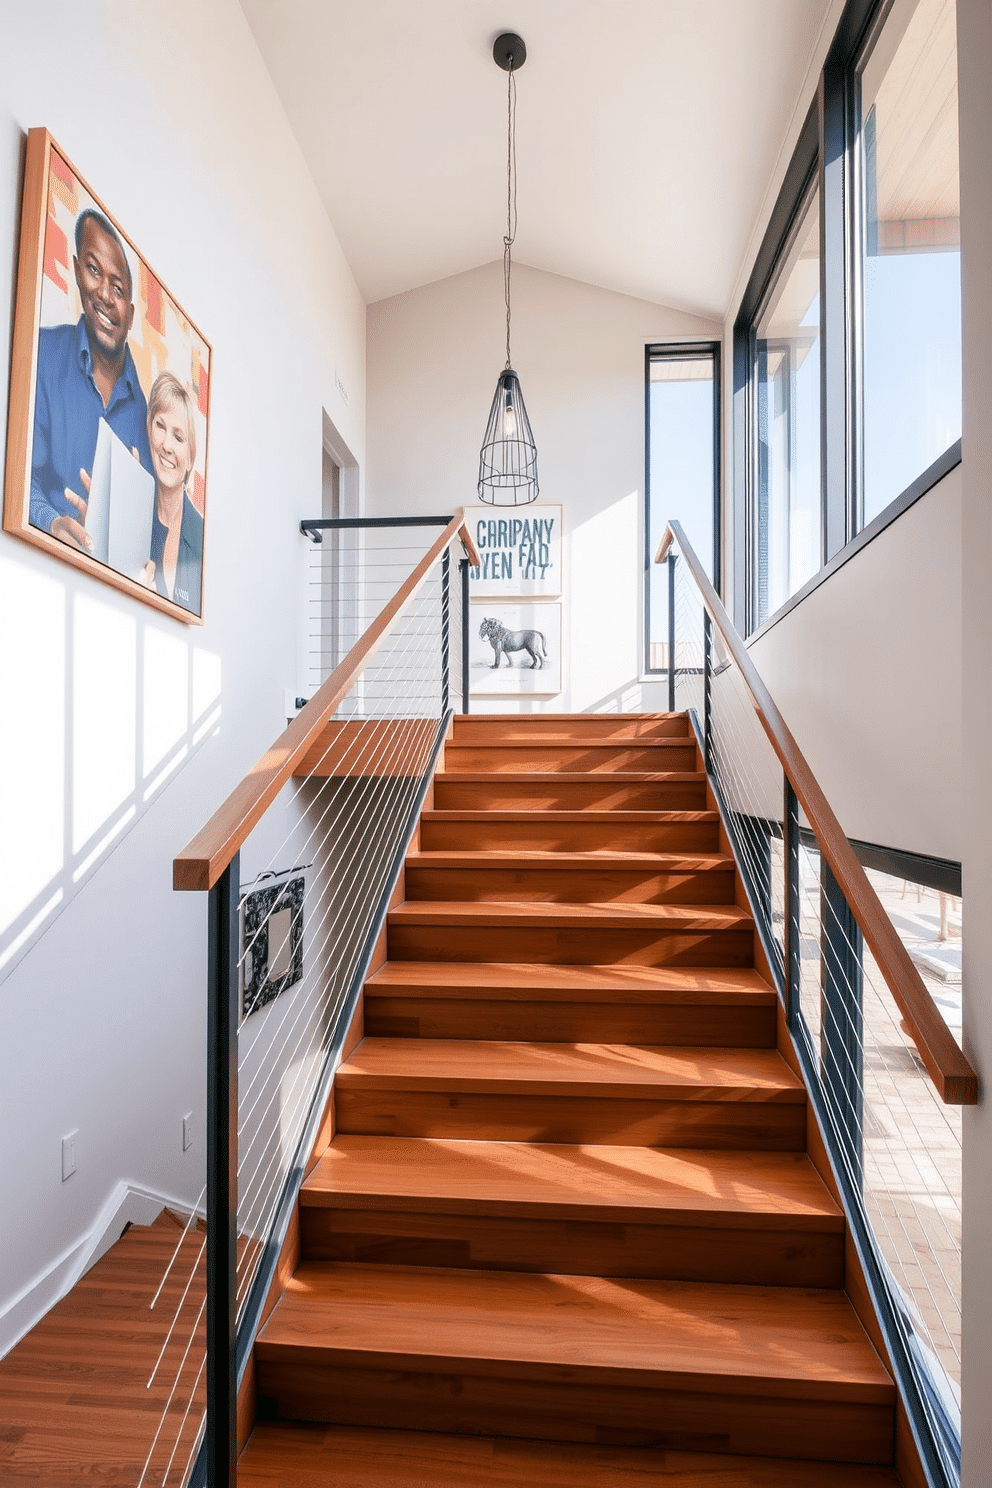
[[109, 409], [521, 550], [515, 650]]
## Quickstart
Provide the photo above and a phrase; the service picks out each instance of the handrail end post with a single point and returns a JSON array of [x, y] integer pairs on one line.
[[671, 632], [707, 692], [222, 1176], [463, 567], [793, 949]]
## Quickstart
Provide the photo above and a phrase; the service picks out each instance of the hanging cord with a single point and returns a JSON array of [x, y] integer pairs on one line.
[[511, 196]]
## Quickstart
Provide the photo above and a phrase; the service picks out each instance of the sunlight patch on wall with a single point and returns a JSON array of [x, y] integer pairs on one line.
[[166, 702], [603, 585], [32, 736], [104, 715], [99, 710], [206, 680]]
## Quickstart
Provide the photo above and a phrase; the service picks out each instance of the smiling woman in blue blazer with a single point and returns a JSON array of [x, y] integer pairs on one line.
[[177, 527]]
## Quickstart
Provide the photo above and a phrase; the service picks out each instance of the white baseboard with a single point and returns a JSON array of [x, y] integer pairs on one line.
[[126, 1204]]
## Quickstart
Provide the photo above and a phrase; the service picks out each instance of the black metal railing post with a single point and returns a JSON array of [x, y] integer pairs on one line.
[[463, 567], [222, 1177], [671, 632], [842, 1014], [707, 693], [793, 944], [445, 628]]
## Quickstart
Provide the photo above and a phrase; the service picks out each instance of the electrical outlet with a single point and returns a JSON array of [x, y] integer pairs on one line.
[[187, 1131], [69, 1155]]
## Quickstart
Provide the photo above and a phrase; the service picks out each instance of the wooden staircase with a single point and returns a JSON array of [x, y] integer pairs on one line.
[[567, 1230]]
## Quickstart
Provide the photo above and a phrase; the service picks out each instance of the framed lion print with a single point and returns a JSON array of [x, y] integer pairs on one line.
[[109, 399], [514, 649]]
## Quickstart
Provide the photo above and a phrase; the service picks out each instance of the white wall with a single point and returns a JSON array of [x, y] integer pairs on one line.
[[867, 673], [975, 115], [170, 115], [433, 358]]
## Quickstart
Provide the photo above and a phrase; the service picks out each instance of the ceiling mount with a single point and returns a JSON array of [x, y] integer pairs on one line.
[[509, 51]]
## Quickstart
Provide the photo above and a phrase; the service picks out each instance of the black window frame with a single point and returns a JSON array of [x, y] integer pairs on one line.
[[658, 351], [827, 152]]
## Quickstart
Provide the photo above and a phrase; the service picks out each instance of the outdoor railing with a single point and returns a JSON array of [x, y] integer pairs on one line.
[[885, 1075]]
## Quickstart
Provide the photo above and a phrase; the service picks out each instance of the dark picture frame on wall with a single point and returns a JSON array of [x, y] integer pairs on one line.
[[109, 399]]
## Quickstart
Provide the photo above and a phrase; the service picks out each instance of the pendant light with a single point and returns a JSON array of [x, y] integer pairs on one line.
[[508, 459]]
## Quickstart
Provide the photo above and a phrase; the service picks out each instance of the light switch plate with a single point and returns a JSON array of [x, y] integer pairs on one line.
[[69, 1155]]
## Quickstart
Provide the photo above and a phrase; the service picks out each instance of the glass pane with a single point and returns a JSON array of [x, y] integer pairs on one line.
[[911, 248], [788, 366], [681, 478]]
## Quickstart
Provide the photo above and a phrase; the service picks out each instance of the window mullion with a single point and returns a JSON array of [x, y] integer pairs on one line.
[[835, 464]]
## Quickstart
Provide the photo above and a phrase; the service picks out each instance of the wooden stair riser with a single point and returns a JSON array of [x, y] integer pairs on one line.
[[359, 1457], [562, 1406], [716, 1026], [773, 1126], [673, 754], [602, 945], [490, 793], [494, 728], [538, 832], [764, 1254], [572, 885]]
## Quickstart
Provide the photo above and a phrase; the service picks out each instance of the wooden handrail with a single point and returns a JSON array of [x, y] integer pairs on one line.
[[201, 863], [947, 1067]]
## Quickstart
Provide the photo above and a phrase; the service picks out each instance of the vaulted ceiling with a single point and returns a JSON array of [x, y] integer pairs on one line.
[[649, 132]]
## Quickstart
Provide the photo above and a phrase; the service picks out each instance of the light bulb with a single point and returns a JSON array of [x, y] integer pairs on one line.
[[509, 419]]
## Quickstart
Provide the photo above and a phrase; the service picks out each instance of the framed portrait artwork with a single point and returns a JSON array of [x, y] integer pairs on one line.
[[109, 399], [514, 649], [520, 550]]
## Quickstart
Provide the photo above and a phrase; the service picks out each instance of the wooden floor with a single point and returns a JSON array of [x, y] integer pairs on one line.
[[74, 1407], [567, 1231]]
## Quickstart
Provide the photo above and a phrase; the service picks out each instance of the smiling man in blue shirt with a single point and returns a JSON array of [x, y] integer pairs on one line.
[[85, 372]]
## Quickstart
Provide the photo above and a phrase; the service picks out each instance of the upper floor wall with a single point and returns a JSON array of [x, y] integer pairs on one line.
[[433, 358]]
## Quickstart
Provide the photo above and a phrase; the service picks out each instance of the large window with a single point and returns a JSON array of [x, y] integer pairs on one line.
[[788, 424], [910, 247], [682, 470], [847, 348]]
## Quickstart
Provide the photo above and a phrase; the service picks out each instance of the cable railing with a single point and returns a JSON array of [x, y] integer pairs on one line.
[[885, 1074], [299, 865]]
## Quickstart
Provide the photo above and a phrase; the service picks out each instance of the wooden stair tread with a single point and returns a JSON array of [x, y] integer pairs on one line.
[[570, 777], [627, 818], [545, 1180], [619, 1070], [598, 858], [557, 741], [316, 1456], [529, 982], [719, 1339], [622, 916]]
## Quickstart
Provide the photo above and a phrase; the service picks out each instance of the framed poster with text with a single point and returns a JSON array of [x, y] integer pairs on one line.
[[520, 548]]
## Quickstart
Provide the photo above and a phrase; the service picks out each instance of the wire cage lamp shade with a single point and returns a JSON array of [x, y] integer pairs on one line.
[[508, 459]]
